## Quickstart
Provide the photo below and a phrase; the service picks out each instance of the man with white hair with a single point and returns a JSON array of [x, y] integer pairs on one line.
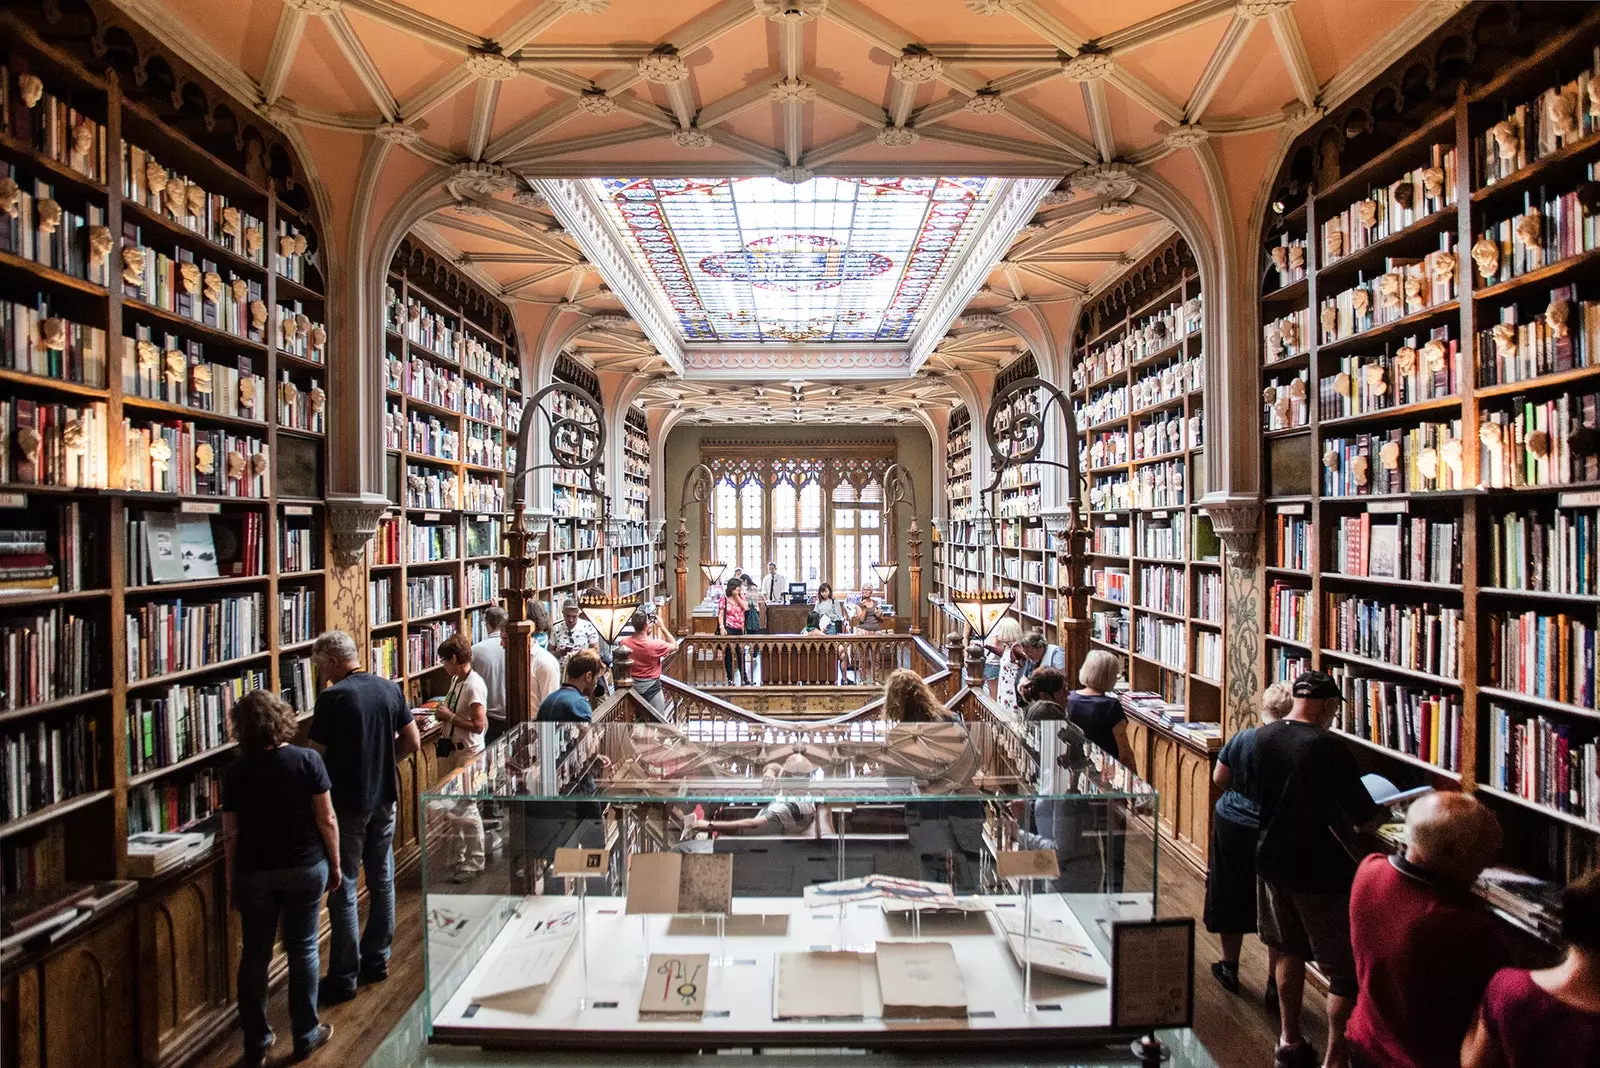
[[362, 726], [1425, 947]]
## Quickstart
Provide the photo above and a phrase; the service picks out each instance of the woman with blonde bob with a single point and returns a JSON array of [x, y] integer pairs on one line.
[[907, 699], [1093, 709], [1230, 911]]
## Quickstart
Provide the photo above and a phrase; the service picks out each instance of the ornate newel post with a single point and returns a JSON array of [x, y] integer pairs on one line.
[[697, 486], [972, 674], [1237, 523]]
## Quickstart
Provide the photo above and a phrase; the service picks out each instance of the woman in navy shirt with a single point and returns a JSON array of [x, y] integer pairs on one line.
[[281, 841]]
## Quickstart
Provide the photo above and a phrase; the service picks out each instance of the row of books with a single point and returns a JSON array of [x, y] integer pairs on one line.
[[1419, 459], [1162, 640], [184, 720], [172, 279], [56, 127], [485, 447], [1544, 654], [1552, 228], [1162, 435], [1287, 336], [1108, 448], [1386, 210], [299, 547], [1557, 117], [1164, 589], [1109, 493], [301, 407], [293, 250], [175, 802], [1289, 612], [428, 382], [1015, 504], [1373, 383], [1546, 552], [193, 461], [431, 542], [297, 615], [1540, 443], [164, 637], [418, 322], [385, 657], [1103, 406], [1406, 287], [1419, 637], [422, 645], [483, 403], [380, 601], [1156, 331], [485, 361], [1563, 337], [300, 335], [299, 683], [1160, 485], [213, 216], [53, 444], [1208, 595], [52, 233], [1287, 258], [428, 594], [1291, 542], [71, 547], [1208, 653], [49, 654], [431, 437], [1117, 541], [484, 496], [428, 487], [1163, 538], [1402, 716], [1285, 664], [1167, 382], [1284, 402], [1554, 763], [1110, 627], [35, 341], [26, 565], [44, 764], [1413, 548], [483, 583], [183, 547], [176, 371]]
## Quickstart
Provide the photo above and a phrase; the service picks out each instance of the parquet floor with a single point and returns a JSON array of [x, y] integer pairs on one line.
[[1236, 1029]]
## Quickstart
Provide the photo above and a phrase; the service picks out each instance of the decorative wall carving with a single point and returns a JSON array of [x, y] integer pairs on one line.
[[1158, 270], [885, 359], [859, 463], [436, 273]]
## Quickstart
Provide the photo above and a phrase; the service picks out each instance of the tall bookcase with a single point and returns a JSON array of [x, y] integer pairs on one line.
[[161, 467], [1431, 400], [1137, 382], [637, 563], [454, 394]]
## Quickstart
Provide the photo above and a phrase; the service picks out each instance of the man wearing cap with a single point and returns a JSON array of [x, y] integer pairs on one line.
[[1311, 799]]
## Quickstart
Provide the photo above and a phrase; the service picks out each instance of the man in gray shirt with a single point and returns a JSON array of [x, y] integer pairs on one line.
[[489, 660]]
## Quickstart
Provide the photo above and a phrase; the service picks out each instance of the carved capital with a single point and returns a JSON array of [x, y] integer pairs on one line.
[[898, 137], [1087, 66], [986, 102], [917, 67], [794, 174], [1186, 136], [1260, 9], [991, 7], [1118, 207], [663, 67], [980, 321], [1236, 522], [491, 65], [315, 7], [480, 180], [397, 133], [1113, 181], [790, 10], [353, 521], [529, 199], [278, 115], [695, 139], [1056, 198], [596, 102], [793, 91]]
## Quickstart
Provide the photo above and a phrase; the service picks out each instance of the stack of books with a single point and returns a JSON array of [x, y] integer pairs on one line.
[[26, 565]]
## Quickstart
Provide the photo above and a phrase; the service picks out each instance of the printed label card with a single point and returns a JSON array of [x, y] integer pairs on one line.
[[675, 986], [1027, 864], [581, 863]]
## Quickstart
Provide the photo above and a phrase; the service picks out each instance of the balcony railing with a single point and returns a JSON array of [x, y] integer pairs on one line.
[[714, 662]]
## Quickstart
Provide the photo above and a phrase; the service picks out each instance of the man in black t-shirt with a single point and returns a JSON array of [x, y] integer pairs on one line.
[[362, 726], [1312, 800]]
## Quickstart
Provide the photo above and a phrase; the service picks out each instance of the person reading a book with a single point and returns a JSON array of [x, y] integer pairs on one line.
[[1550, 1016], [464, 715], [362, 727], [1425, 946], [1307, 786], [281, 841], [1230, 910]]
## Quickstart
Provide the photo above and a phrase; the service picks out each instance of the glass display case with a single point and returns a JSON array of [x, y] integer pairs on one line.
[[729, 884]]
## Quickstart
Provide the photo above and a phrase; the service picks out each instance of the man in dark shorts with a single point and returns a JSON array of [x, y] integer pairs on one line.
[[362, 726], [1312, 801]]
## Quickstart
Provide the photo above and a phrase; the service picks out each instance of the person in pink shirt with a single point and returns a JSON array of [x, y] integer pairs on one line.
[[1551, 1016], [730, 620], [648, 644]]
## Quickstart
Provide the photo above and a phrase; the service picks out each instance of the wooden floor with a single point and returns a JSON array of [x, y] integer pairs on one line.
[[1236, 1029]]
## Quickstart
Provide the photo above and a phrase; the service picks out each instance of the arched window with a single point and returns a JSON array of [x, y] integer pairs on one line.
[[797, 531], [738, 534], [857, 534]]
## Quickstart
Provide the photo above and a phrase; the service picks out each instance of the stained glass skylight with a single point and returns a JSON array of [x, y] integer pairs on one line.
[[851, 260]]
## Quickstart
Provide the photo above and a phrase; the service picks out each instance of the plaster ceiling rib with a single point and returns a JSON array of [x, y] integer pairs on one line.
[[1013, 280], [1094, 105], [552, 248], [534, 279], [719, 111], [791, 61], [433, 95], [581, 55], [856, 107], [514, 238], [1076, 257], [822, 155], [690, 37], [1009, 146], [1293, 49], [424, 27], [530, 128], [1015, 57], [1056, 32], [344, 35], [1052, 131], [1153, 100], [682, 101], [431, 152], [1216, 69], [508, 257], [285, 42], [587, 143], [538, 19], [751, 149], [1245, 124], [902, 95], [1072, 285], [1066, 237], [1166, 24], [326, 120]]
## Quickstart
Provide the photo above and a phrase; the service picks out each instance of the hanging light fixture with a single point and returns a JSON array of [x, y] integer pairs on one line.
[[885, 572], [609, 612], [713, 571], [981, 610]]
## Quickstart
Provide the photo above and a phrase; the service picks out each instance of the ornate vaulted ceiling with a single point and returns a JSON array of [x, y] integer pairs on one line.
[[535, 91]]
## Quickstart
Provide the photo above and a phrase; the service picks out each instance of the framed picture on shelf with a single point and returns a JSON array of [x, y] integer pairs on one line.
[[1383, 551]]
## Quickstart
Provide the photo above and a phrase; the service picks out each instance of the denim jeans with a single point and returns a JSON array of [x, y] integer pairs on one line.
[[266, 899], [366, 841], [650, 691]]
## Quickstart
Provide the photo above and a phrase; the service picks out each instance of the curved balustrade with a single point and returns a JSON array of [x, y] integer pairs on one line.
[[710, 661]]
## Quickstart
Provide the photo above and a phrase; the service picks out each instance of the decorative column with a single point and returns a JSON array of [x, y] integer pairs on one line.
[[1237, 524], [697, 486]]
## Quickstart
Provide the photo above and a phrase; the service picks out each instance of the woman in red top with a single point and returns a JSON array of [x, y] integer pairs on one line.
[[648, 644], [1551, 1016], [730, 620]]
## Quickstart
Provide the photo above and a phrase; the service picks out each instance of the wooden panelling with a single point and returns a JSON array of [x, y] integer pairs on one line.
[[1164, 772], [86, 1001], [184, 953], [1194, 802]]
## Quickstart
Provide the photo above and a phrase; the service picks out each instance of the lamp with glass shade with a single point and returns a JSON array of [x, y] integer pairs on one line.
[[609, 613], [885, 572], [713, 571], [982, 610]]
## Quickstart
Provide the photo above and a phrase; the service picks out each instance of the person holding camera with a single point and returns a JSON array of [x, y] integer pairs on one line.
[[464, 714], [648, 644]]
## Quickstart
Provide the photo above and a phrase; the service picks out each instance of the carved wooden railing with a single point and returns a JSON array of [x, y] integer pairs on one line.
[[711, 661]]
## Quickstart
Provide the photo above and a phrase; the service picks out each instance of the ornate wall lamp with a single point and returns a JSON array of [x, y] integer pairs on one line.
[[1016, 434], [576, 442], [698, 484]]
